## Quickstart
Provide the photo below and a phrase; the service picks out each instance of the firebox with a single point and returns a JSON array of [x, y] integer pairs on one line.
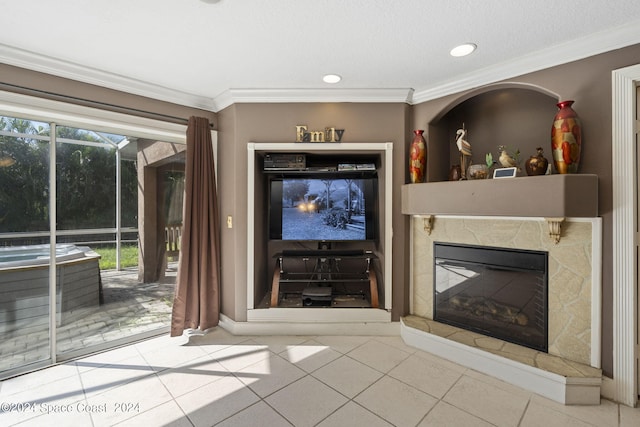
[[499, 292]]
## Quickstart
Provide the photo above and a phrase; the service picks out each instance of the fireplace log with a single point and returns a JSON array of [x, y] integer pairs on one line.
[[479, 306]]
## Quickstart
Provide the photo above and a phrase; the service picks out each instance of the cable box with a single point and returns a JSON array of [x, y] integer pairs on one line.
[[284, 161]]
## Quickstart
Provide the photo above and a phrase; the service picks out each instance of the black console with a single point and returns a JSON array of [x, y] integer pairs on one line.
[[318, 296]]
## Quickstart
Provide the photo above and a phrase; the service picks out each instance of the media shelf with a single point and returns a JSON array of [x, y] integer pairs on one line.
[[351, 288], [323, 281]]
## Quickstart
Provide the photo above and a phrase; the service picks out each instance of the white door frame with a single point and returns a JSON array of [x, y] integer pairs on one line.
[[624, 174]]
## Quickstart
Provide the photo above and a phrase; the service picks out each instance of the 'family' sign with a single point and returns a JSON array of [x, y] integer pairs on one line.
[[328, 135]]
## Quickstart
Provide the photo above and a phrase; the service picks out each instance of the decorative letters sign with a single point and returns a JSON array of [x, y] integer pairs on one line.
[[328, 135]]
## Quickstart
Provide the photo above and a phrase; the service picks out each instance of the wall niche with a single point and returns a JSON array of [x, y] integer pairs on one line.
[[516, 117]]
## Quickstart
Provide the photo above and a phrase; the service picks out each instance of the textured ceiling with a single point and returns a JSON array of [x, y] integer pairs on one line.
[[194, 53]]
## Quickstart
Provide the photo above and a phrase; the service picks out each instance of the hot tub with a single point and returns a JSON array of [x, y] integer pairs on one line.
[[24, 284], [17, 256]]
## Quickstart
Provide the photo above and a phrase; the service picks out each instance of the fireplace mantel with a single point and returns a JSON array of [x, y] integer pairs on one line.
[[548, 196]]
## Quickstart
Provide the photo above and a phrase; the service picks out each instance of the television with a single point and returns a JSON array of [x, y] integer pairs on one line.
[[323, 208]]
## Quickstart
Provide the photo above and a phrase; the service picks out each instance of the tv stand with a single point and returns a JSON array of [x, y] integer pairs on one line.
[[325, 273]]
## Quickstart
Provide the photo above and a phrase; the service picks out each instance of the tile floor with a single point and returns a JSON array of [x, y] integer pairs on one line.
[[225, 380]]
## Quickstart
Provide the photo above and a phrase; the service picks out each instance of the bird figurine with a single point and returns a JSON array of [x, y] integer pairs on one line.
[[463, 145], [506, 159], [465, 151]]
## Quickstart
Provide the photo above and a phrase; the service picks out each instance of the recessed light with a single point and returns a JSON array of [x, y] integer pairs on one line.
[[331, 78], [463, 49]]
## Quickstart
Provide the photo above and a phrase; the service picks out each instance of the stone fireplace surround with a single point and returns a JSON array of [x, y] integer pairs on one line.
[[473, 212]]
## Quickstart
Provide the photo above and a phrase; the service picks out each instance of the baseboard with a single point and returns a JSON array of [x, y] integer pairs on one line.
[[565, 390], [304, 328], [608, 388]]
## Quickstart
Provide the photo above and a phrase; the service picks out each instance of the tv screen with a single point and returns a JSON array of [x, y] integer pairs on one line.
[[322, 209]]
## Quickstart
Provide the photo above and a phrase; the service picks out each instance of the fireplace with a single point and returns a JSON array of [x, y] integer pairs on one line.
[[498, 292], [573, 295]]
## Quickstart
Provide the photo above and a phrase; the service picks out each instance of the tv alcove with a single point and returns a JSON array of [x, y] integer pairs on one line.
[[332, 262]]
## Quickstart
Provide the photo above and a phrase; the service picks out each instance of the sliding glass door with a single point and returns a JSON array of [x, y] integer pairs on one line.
[[24, 247], [89, 232]]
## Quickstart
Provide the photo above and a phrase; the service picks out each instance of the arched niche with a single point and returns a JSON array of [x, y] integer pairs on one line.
[[518, 116]]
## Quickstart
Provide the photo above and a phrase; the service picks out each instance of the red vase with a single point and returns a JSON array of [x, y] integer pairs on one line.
[[418, 158], [566, 139]]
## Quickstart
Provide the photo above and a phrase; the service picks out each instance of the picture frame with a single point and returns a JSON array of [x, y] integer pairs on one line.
[[500, 173]]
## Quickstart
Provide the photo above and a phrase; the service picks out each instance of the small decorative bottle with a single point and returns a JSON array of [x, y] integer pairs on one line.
[[455, 173], [418, 158], [536, 165]]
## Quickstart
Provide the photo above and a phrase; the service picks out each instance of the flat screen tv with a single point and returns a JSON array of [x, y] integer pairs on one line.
[[318, 208]]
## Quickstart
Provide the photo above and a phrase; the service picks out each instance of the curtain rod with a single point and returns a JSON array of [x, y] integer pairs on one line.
[[89, 103]]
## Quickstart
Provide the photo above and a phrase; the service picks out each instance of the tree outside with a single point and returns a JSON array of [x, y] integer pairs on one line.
[[85, 179]]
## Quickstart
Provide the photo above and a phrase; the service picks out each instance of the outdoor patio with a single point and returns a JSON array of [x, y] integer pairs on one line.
[[129, 308]]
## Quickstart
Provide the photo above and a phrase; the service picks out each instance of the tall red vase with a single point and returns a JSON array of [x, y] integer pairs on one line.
[[566, 139], [418, 158]]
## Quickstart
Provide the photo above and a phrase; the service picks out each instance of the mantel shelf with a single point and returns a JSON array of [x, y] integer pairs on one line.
[[546, 196]]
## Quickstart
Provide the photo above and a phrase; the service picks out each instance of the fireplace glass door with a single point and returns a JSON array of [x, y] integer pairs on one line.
[[497, 292]]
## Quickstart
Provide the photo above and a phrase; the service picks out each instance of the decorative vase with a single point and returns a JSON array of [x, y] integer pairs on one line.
[[536, 165], [566, 139], [455, 173], [418, 158], [478, 171]]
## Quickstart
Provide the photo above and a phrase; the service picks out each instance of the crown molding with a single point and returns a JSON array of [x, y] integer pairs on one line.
[[573, 50], [49, 65], [594, 44], [253, 96]]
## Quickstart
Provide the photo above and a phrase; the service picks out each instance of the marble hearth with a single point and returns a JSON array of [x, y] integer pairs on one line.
[[523, 218]]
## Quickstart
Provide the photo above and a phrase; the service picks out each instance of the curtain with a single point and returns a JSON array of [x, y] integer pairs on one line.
[[197, 298]]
